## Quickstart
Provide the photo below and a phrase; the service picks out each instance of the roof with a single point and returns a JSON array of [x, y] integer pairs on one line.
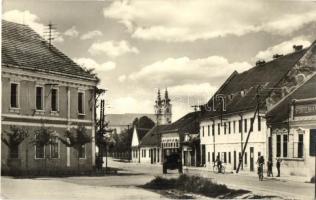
[[126, 119], [189, 123], [22, 47], [280, 113], [266, 75]]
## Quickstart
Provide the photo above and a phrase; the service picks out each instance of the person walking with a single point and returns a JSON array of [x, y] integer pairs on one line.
[[278, 165], [219, 164], [270, 165]]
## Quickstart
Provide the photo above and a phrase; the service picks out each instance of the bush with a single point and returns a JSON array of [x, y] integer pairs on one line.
[[313, 179], [160, 183], [193, 184]]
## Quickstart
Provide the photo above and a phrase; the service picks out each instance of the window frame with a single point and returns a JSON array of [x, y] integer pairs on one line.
[[17, 95], [58, 148], [278, 146], [44, 153], [298, 146], [85, 152], [83, 102], [42, 99], [57, 99]]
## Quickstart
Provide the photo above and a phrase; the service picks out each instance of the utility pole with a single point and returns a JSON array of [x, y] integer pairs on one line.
[[250, 130]]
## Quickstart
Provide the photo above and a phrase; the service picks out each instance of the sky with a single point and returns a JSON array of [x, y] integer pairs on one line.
[[187, 46]]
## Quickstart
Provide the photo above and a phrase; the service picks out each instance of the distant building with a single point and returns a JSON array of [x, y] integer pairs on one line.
[[150, 146], [42, 86], [163, 109], [121, 122]]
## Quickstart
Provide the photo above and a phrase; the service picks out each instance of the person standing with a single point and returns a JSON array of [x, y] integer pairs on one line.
[[278, 165]]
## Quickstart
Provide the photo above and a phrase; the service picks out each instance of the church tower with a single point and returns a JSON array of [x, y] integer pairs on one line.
[[163, 109]]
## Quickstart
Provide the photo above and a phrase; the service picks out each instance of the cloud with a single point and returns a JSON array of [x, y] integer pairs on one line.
[[30, 19], [282, 48], [112, 48], [122, 78], [129, 104], [72, 32], [91, 34], [90, 63], [183, 70], [190, 20]]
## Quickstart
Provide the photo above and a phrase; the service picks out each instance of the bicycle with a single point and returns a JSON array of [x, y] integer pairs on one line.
[[215, 169]]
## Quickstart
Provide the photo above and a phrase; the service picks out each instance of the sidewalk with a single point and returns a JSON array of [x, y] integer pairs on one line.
[[301, 179]]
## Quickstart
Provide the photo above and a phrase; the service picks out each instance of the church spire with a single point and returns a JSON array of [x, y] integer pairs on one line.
[[167, 96], [158, 97]]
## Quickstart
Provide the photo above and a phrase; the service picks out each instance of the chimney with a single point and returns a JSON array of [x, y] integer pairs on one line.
[[260, 62], [275, 56], [297, 47]]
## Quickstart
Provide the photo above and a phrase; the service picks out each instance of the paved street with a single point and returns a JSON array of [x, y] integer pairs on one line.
[[124, 186], [287, 189]]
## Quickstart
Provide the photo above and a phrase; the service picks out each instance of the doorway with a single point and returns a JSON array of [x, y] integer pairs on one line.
[[235, 160], [251, 159]]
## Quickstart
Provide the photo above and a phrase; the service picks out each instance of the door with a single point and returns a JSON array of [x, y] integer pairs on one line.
[[235, 160], [270, 147], [251, 159], [151, 156], [203, 155]]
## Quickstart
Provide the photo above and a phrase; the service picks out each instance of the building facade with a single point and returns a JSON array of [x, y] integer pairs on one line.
[[292, 120], [42, 87], [239, 107]]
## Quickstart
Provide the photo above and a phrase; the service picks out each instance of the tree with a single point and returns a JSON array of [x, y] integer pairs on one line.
[[76, 138], [13, 138]]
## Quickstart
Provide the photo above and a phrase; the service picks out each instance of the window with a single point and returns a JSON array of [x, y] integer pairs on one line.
[[278, 143], [54, 148], [213, 129], [219, 128], [245, 125], [39, 98], [229, 130], [54, 99], [234, 126], [82, 151], [208, 130], [14, 151], [145, 153], [285, 141], [300, 149], [39, 151], [213, 156], [229, 157], [240, 126], [80, 102], [225, 158], [158, 155], [14, 95], [312, 142], [202, 131], [208, 156], [246, 158], [225, 127], [259, 123]]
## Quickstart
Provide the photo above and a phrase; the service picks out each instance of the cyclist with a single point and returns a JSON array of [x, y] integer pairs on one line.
[[219, 164]]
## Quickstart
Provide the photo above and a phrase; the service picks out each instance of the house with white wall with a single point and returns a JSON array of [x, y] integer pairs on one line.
[[228, 116]]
